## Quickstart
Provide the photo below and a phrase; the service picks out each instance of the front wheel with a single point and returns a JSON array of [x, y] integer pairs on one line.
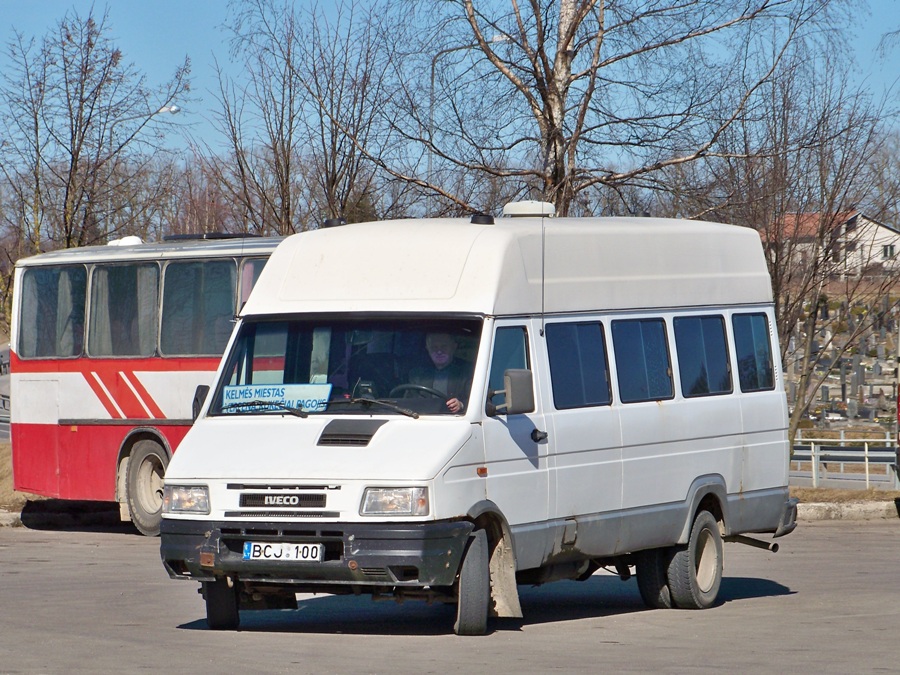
[[695, 571], [473, 592], [221, 605], [144, 485]]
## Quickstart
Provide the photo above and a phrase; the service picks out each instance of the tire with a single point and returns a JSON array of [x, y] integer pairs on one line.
[[144, 485], [652, 568], [473, 592], [221, 605], [695, 571]]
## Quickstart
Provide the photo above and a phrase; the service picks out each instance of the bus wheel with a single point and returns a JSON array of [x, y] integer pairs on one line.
[[651, 567], [695, 572], [221, 605], [144, 485], [473, 588]]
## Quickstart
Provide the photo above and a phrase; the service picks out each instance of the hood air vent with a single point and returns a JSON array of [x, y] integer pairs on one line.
[[355, 433]]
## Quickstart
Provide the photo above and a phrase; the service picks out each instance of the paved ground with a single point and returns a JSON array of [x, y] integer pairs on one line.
[[97, 600]]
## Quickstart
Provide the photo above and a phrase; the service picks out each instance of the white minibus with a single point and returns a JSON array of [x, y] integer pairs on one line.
[[444, 409]]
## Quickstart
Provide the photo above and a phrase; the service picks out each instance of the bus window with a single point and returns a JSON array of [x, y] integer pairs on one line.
[[198, 307], [753, 351], [249, 274], [642, 360], [702, 355], [52, 312], [123, 310]]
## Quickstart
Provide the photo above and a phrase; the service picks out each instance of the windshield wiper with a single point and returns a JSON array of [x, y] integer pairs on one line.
[[266, 406], [377, 401]]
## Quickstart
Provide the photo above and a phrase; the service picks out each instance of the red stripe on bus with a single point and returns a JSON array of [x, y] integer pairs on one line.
[[145, 396], [122, 394], [102, 396], [85, 365]]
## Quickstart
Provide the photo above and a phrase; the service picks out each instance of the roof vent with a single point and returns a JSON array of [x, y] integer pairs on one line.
[[131, 240], [529, 207], [334, 222], [482, 219]]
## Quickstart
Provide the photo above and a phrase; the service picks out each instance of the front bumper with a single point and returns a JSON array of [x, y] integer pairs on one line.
[[426, 554]]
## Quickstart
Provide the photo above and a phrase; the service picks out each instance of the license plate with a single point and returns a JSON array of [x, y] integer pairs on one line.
[[281, 551]]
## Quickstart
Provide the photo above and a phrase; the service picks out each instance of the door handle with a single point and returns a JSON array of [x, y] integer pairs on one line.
[[538, 436]]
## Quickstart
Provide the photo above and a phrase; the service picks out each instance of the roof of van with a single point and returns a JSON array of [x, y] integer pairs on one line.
[[185, 248], [455, 266]]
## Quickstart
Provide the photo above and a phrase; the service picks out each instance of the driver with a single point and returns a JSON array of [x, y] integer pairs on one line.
[[448, 374]]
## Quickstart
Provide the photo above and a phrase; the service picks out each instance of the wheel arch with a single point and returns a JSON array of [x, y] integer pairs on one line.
[[707, 493], [125, 449], [487, 516]]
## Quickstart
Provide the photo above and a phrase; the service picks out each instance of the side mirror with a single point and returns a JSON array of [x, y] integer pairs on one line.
[[199, 399], [519, 391]]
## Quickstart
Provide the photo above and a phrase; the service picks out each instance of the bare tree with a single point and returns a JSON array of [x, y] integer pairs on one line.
[[562, 97], [798, 167], [72, 110], [295, 123]]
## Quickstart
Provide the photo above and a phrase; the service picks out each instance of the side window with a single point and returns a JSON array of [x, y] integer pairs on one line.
[[702, 355], [124, 305], [754, 352], [578, 368], [52, 318], [642, 360], [198, 306], [250, 271], [510, 351]]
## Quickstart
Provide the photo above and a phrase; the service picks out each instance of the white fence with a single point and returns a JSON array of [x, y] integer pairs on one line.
[[845, 462]]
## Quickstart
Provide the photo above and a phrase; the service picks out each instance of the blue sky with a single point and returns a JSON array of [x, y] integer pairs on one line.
[[157, 34]]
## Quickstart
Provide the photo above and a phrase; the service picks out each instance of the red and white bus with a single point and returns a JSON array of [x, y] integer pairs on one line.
[[108, 345]]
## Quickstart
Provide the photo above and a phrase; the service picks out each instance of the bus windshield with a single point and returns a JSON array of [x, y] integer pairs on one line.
[[411, 365]]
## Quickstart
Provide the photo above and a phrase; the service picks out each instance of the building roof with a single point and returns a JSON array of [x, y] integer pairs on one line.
[[804, 227]]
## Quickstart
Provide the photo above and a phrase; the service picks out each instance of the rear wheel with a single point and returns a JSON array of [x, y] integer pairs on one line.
[[652, 577], [695, 572], [474, 588], [221, 605], [144, 485]]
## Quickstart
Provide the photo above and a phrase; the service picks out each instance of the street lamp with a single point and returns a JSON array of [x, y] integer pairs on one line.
[[171, 109]]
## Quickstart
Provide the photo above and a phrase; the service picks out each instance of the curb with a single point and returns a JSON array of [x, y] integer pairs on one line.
[[847, 511]]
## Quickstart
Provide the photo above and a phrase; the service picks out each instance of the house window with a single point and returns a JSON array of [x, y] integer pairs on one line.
[[887, 251]]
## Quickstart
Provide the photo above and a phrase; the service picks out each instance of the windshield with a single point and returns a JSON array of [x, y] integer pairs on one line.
[[412, 366]]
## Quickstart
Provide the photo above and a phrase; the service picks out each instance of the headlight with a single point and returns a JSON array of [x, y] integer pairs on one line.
[[185, 499], [412, 501]]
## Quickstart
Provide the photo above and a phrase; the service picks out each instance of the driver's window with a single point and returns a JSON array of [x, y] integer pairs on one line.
[[510, 351]]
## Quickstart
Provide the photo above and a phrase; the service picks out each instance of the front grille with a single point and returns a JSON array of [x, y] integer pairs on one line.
[[283, 500], [282, 514]]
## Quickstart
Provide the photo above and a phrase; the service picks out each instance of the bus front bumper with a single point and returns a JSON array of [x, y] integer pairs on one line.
[[426, 554]]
